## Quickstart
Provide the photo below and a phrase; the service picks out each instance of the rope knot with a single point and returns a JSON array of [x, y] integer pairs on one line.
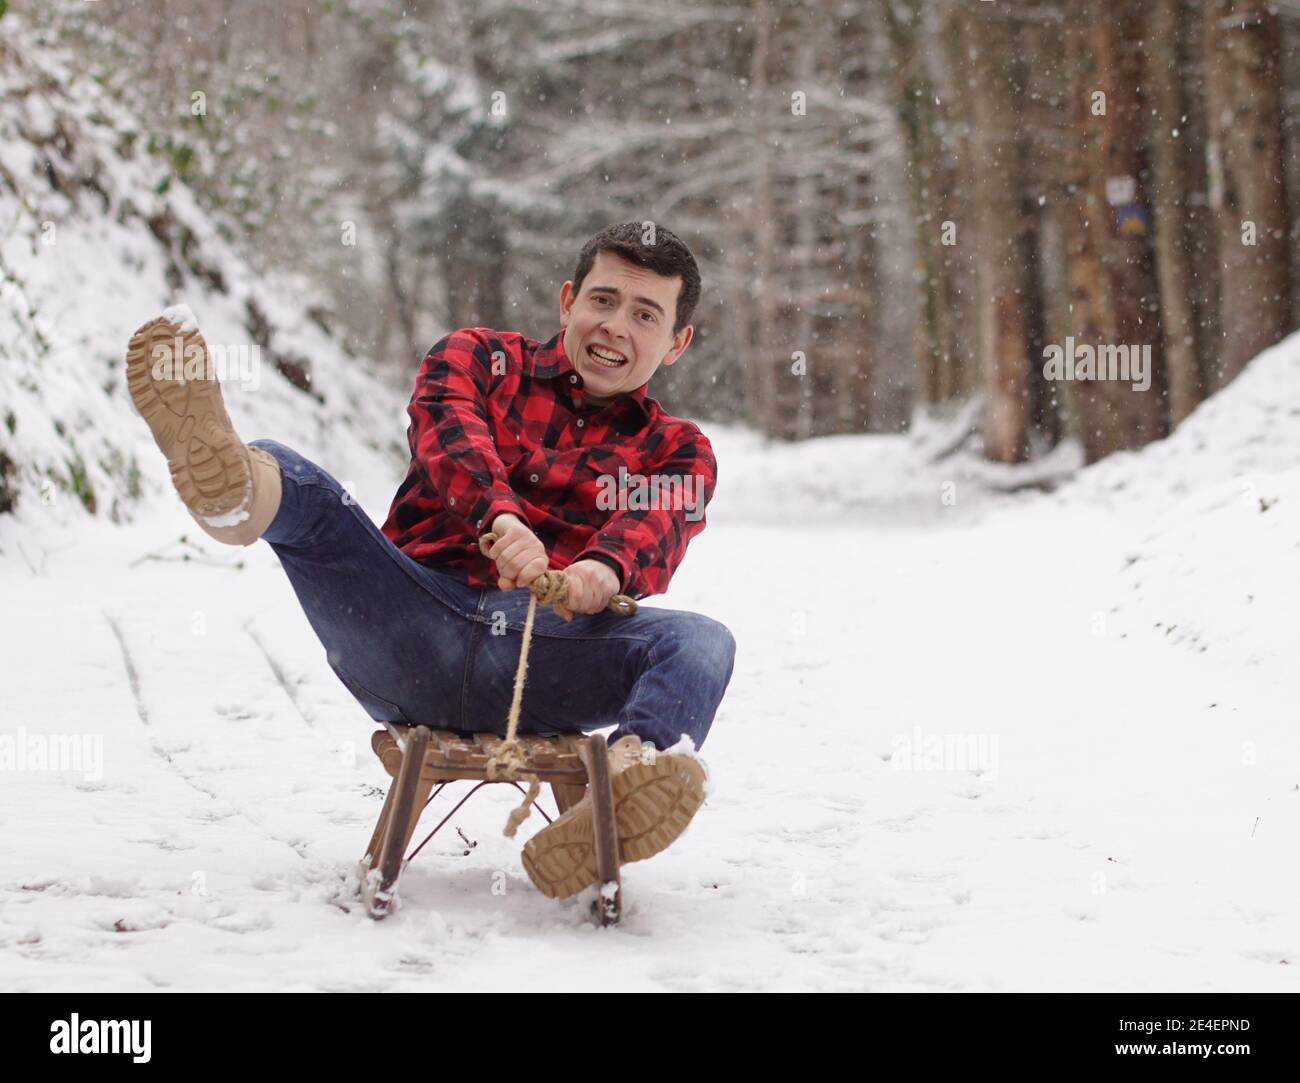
[[506, 762], [551, 588]]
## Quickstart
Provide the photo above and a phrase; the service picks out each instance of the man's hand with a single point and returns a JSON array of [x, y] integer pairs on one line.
[[518, 552], [592, 584]]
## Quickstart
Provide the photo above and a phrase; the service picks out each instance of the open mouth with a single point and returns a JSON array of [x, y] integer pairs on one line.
[[605, 358]]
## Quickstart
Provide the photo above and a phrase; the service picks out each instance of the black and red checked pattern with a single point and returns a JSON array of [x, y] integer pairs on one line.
[[498, 423]]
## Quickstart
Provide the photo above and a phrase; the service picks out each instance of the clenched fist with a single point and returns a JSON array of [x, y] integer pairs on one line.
[[518, 552], [591, 585]]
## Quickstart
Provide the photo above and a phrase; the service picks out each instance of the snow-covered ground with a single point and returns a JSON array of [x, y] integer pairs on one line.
[[994, 752], [974, 741]]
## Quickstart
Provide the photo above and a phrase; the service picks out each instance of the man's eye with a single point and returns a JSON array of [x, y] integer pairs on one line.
[[600, 298], [650, 314]]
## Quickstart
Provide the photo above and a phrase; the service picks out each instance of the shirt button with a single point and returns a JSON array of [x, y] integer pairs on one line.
[[581, 422], [532, 477], [452, 501], [573, 379]]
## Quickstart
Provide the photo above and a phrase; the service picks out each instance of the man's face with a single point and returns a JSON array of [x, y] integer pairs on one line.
[[624, 311]]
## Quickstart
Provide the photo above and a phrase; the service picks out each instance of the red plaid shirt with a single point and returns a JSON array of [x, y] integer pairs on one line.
[[498, 424]]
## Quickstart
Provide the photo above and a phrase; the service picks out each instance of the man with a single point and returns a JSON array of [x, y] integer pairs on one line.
[[538, 443]]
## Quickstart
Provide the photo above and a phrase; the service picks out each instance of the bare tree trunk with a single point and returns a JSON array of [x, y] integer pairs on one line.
[[1141, 415], [1168, 140], [918, 120], [857, 329], [1003, 320], [1111, 266], [739, 312], [1241, 43], [762, 389], [805, 225], [1085, 227], [1040, 118], [1044, 420], [1202, 220], [960, 375]]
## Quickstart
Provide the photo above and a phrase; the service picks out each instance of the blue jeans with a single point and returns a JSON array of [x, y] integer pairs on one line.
[[416, 645]]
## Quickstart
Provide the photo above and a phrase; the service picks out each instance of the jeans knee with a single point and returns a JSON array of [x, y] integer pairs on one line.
[[727, 646], [712, 646]]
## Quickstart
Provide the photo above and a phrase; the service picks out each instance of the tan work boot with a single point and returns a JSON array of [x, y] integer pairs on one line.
[[655, 796], [231, 490]]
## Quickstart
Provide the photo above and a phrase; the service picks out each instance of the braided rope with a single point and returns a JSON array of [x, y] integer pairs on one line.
[[508, 762]]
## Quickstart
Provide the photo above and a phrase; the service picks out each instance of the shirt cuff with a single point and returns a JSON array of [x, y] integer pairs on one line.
[[612, 562], [491, 506]]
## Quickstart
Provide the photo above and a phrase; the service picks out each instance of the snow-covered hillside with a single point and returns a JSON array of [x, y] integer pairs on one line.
[[90, 249]]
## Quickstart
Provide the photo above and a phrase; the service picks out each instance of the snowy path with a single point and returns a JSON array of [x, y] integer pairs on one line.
[[1117, 842]]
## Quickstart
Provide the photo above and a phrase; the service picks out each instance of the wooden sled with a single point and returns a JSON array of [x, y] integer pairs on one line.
[[418, 758]]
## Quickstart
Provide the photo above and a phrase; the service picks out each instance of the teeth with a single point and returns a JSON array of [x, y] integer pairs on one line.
[[611, 359]]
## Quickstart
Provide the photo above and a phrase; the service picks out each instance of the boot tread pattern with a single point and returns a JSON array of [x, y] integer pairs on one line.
[[208, 462], [653, 804]]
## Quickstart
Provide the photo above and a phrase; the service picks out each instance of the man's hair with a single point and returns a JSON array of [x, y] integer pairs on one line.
[[667, 256]]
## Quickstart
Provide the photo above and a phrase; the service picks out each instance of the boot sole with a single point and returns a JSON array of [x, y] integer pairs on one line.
[[208, 462], [653, 804]]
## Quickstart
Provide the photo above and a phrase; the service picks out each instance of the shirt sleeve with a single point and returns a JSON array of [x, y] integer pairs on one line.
[[450, 435], [612, 563], [649, 543]]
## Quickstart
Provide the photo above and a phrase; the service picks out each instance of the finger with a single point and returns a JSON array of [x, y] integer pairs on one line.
[[577, 600], [518, 557], [505, 583], [531, 570], [505, 541], [507, 552], [564, 611]]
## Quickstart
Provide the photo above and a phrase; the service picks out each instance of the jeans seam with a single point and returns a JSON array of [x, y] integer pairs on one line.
[[470, 651], [346, 676]]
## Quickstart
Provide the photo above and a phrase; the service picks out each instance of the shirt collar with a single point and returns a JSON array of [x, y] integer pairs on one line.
[[551, 362]]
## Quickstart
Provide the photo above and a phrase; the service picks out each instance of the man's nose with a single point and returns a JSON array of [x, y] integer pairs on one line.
[[614, 327]]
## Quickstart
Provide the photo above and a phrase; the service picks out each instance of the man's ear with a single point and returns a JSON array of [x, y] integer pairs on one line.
[[567, 297], [680, 341]]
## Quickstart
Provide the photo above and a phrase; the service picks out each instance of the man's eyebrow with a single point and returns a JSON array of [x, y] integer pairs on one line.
[[619, 293]]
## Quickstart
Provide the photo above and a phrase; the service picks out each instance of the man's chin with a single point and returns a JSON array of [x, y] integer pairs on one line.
[[596, 383]]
